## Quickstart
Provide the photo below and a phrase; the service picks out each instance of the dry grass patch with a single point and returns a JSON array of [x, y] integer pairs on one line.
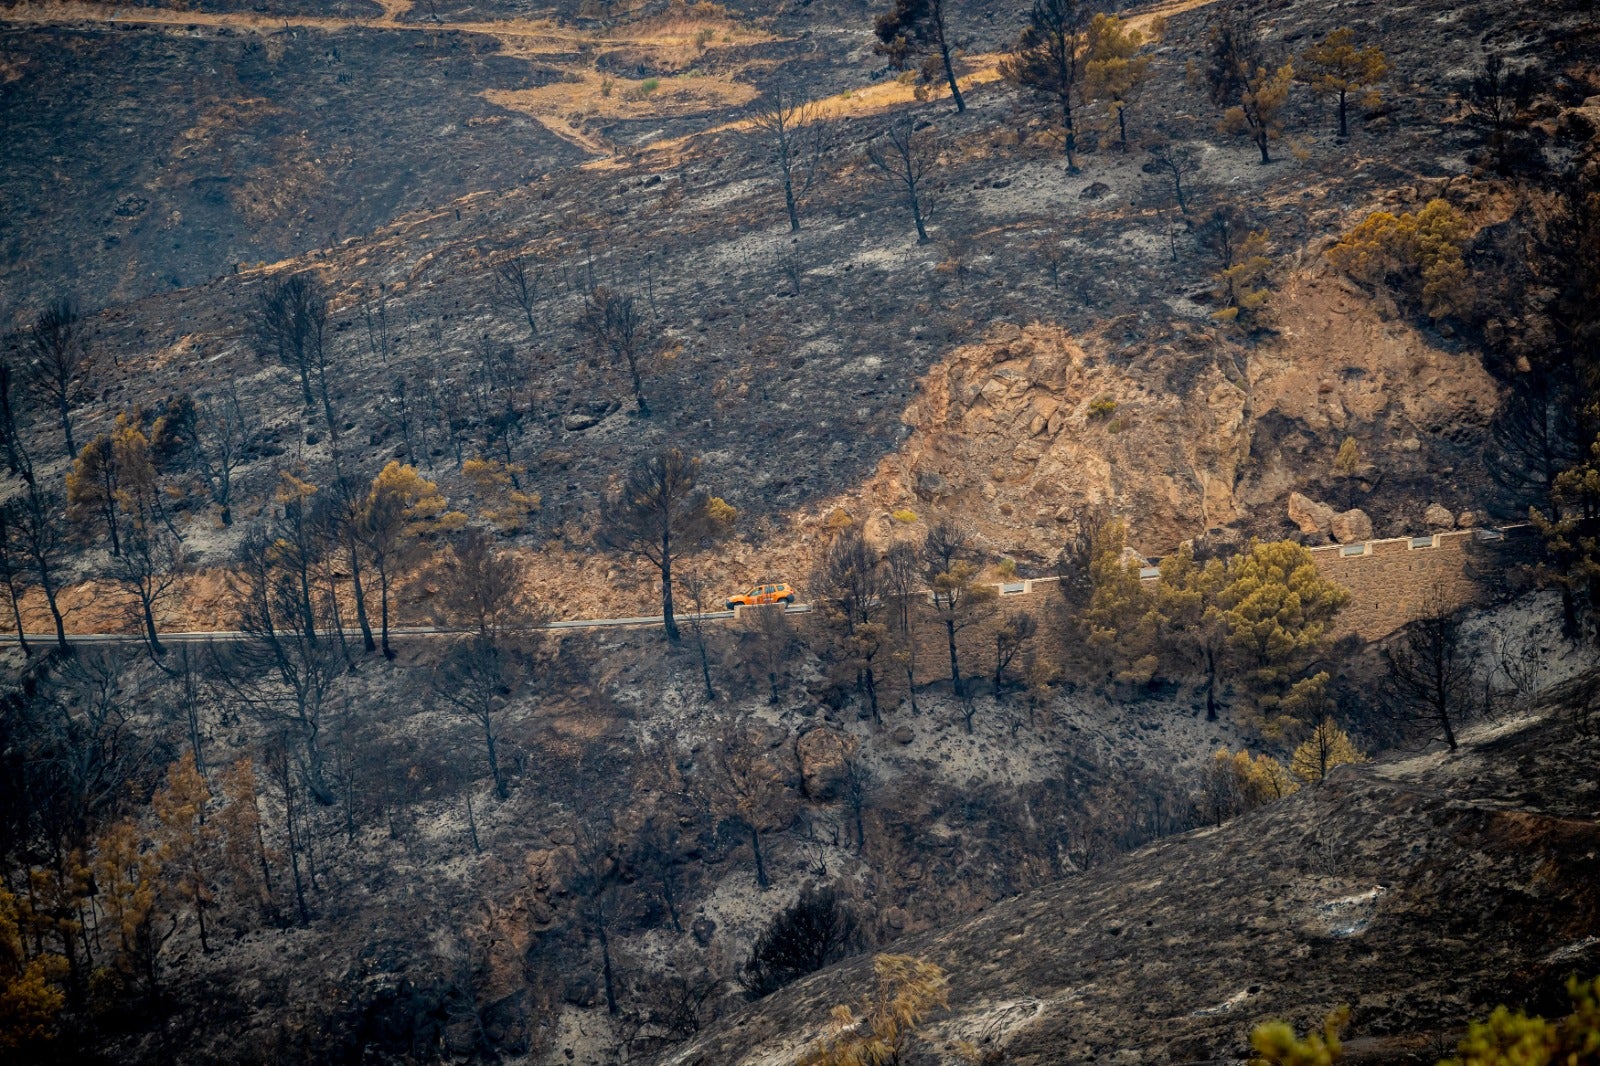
[[565, 107]]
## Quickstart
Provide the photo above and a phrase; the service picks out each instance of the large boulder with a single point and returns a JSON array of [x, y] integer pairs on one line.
[[1309, 515], [821, 753], [1349, 527], [1439, 517]]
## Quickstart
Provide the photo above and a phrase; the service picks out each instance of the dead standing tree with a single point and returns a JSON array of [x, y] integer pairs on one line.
[[59, 354], [1175, 163], [748, 788], [794, 132], [223, 438], [850, 598], [959, 600], [281, 671], [482, 673], [697, 586], [902, 583], [12, 569], [1049, 58], [903, 155], [291, 328], [517, 290], [150, 564], [613, 324], [660, 512], [913, 29], [1431, 672], [41, 532]]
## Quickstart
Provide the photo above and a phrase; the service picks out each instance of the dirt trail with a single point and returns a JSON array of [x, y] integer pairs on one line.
[[980, 69], [529, 36]]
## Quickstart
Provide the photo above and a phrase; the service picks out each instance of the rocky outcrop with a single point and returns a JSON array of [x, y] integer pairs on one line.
[[1309, 515], [821, 754], [1019, 431], [1350, 527], [1439, 517]]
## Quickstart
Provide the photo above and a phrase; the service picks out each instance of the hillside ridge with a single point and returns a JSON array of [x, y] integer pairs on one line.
[[1354, 891]]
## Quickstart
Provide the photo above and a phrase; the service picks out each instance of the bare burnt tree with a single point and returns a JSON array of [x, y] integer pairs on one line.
[[958, 599], [1014, 634], [281, 670], [818, 930], [902, 578], [919, 29], [281, 767], [946, 544], [517, 290], [850, 581], [903, 155], [10, 441], [345, 518], [477, 679], [614, 326], [95, 749], [1430, 670], [1495, 98], [188, 679], [850, 598], [767, 639], [594, 884], [291, 327], [223, 438], [1174, 164], [57, 347], [13, 568], [749, 789], [481, 673], [151, 562], [494, 397], [1049, 58], [486, 590], [697, 586], [41, 530], [857, 789], [794, 132], [902, 582], [658, 513]]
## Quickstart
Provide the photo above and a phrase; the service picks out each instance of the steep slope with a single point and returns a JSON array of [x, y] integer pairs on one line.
[[1419, 891]]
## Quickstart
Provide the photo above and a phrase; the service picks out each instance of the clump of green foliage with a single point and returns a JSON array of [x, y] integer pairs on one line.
[[1102, 407], [1505, 1038], [1421, 254]]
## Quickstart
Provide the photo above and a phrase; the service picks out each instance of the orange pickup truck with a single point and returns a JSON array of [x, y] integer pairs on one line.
[[759, 594]]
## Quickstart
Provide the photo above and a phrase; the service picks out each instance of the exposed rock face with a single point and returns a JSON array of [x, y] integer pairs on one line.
[[1351, 526], [1401, 888], [1004, 434], [821, 754], [1439, 517], [1309, 515]]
